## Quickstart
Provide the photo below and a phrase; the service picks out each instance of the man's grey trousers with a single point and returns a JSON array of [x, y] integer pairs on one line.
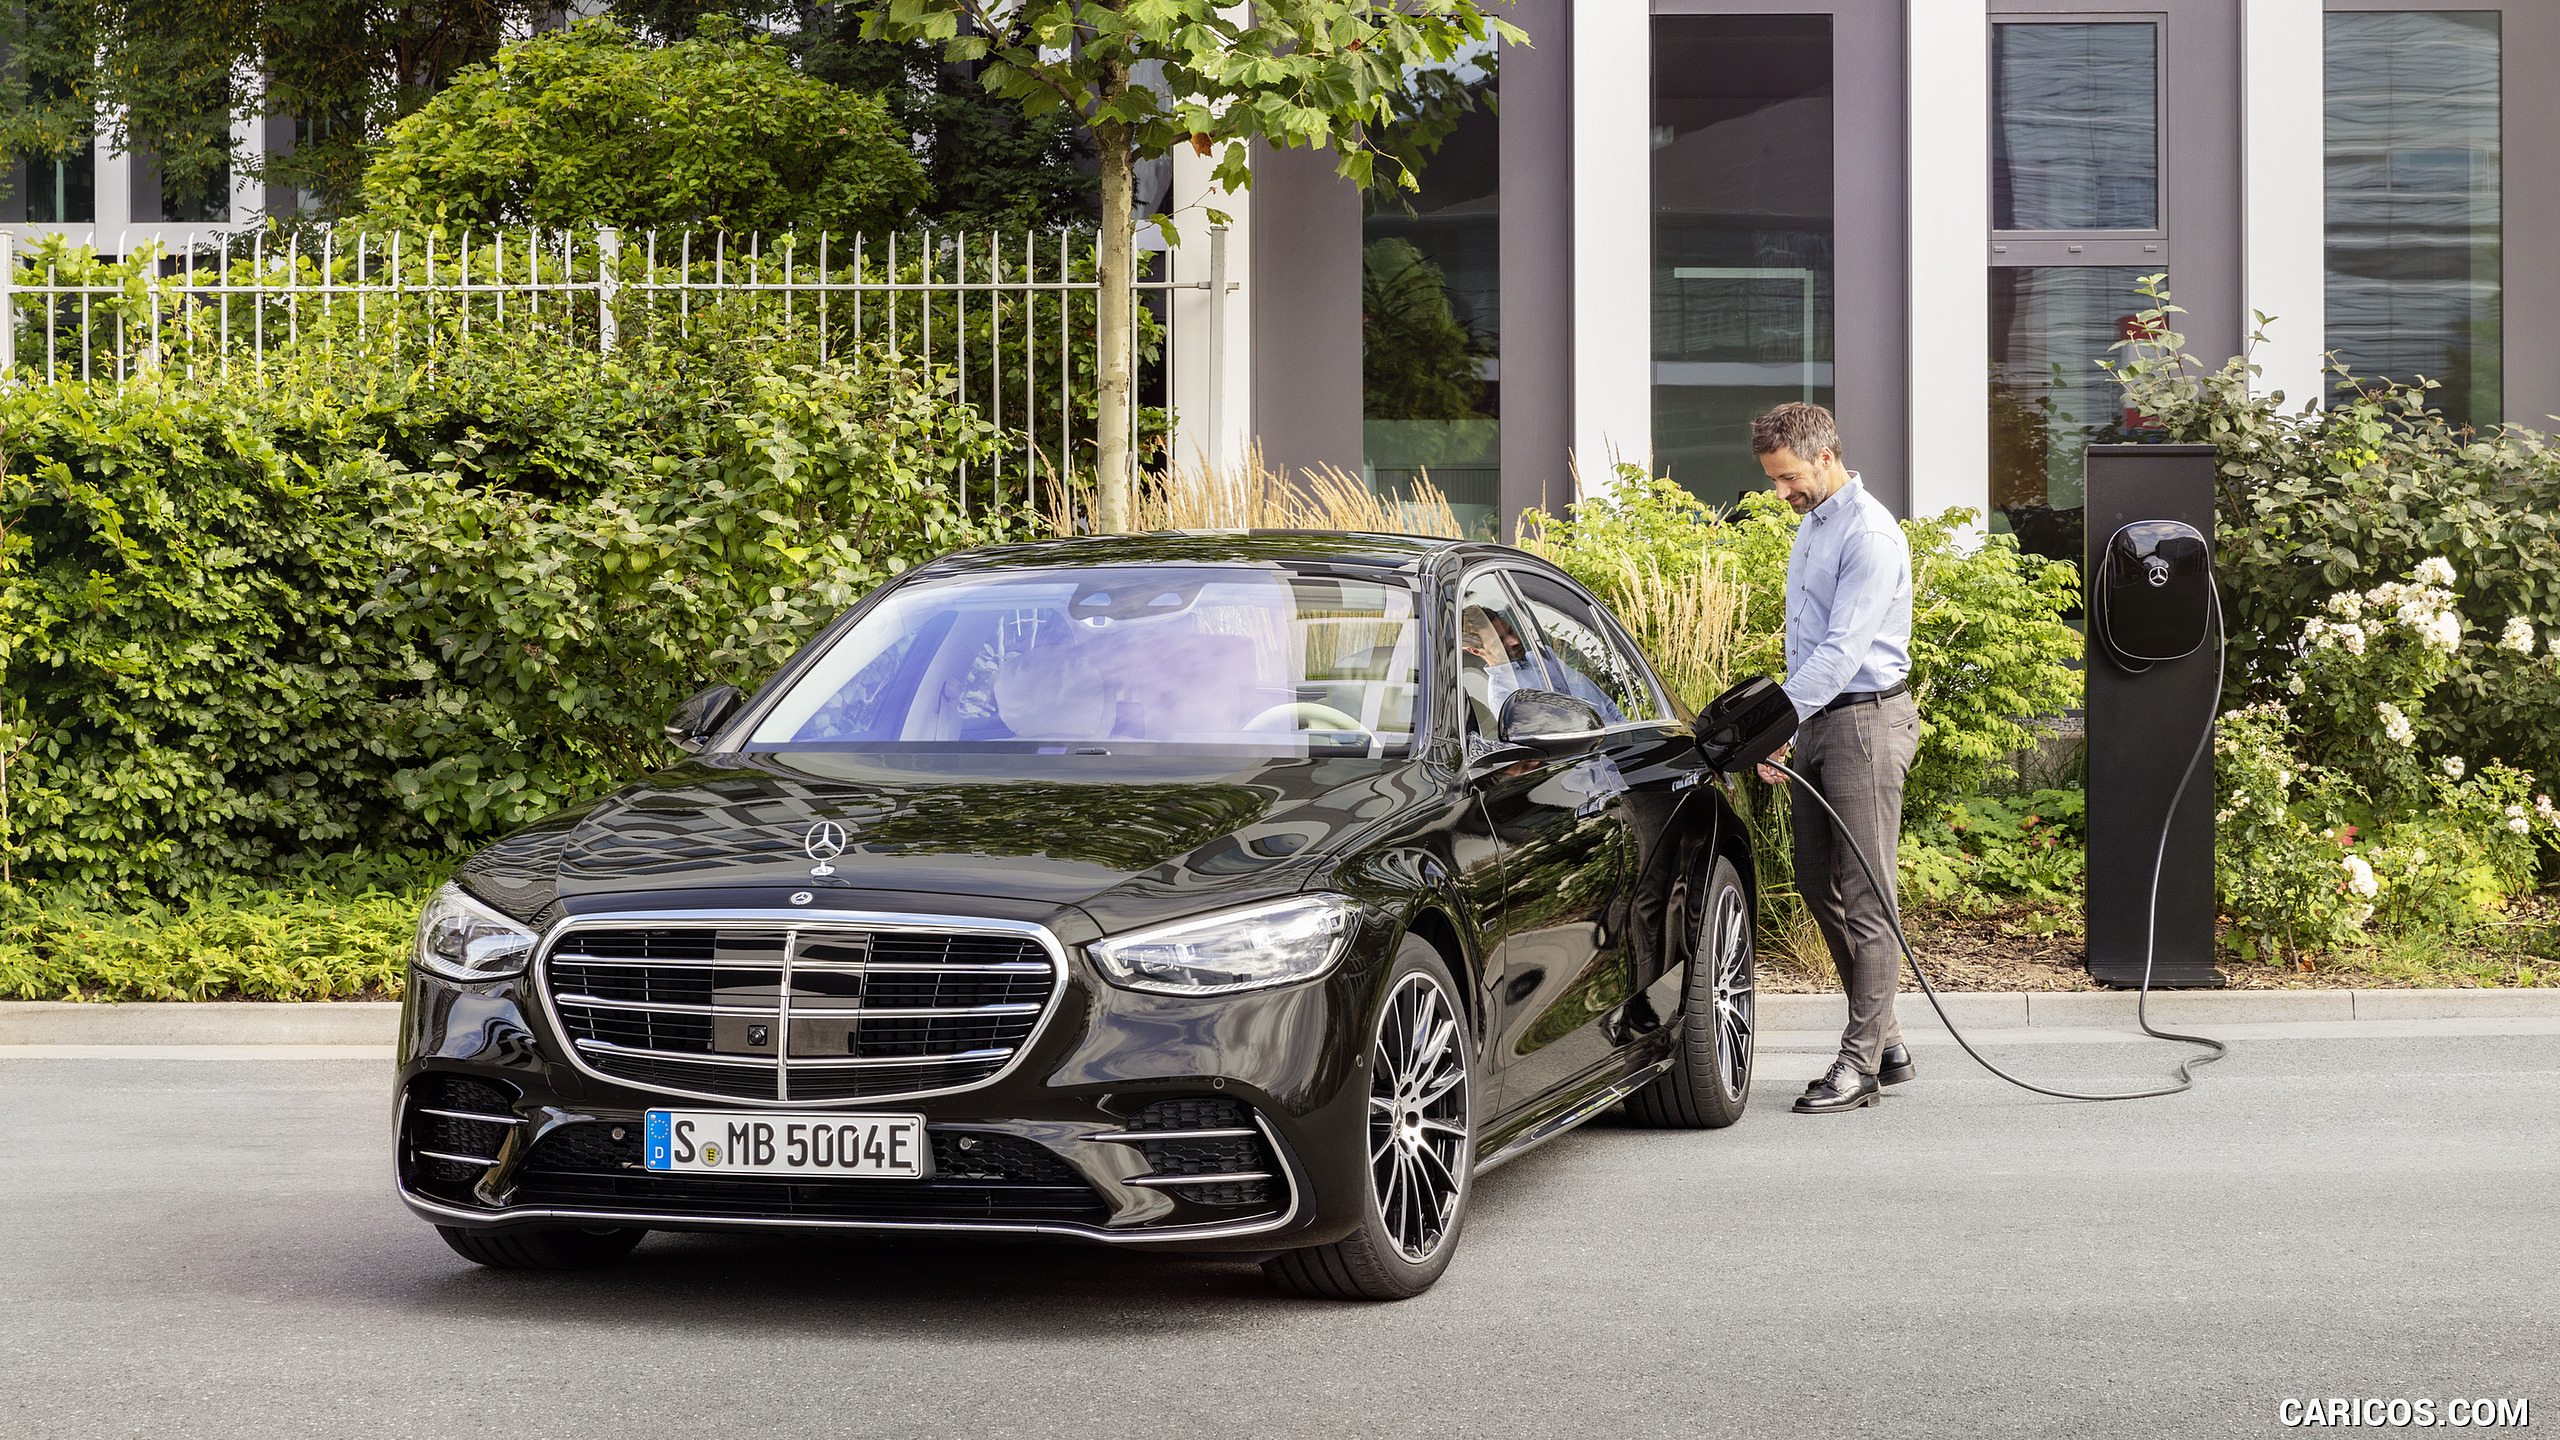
[[1858, 756]]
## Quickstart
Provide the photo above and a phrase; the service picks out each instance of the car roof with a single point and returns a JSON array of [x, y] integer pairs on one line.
[[1211, 547]]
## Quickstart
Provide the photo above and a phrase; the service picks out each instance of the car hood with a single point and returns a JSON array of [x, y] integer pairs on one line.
[[1120, 837]]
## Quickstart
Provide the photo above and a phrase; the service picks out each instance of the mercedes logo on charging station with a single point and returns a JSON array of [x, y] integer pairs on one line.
[[824, 842]]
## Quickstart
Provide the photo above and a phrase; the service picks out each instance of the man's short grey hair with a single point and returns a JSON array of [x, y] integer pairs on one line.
[[1800, 429]]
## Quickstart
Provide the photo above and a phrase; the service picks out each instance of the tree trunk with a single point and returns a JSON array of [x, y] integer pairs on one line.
[[1114, 510]]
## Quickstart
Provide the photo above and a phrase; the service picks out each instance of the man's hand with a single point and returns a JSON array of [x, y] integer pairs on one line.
[[1770, 775]]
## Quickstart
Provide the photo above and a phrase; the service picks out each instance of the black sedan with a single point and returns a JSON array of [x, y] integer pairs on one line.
[[1222, 892]]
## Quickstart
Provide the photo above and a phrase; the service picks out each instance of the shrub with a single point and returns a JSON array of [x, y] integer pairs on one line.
[[557, 634], [2345, 813], [368, 604], [2313, 502], [245, 945], [582, 127], [1992, 850]]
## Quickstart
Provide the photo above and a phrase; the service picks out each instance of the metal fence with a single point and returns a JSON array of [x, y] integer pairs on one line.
[[1008, 318]]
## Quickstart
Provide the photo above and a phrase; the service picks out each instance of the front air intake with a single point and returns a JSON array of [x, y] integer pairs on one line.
[[1207, 1150]]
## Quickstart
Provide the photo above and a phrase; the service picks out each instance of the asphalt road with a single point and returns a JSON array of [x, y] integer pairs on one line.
[[209, 1248]]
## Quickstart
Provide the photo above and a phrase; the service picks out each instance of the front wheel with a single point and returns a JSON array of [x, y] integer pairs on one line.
[[1420, 1138], [1709, 1081], [548, 1248]]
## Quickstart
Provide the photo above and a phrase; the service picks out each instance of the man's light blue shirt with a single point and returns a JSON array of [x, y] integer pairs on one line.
[[1848, 601]]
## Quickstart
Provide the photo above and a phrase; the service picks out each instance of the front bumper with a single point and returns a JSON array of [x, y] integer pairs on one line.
[[1057, 1146]]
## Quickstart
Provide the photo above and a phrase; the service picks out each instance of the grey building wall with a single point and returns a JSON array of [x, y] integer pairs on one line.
[[1305, 290], [1537, 261]]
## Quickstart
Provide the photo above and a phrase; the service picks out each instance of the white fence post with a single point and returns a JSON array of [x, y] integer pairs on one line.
[[608, 285], [1216, 419], [8, 303]]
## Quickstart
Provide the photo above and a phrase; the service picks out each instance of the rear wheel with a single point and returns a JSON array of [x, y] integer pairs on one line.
[[1420, 1139], [1709, 1081], [549, 1248]]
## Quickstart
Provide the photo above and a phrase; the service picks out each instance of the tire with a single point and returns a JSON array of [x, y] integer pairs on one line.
[[1709, 1082], [550, 1248], [1422, 1170]]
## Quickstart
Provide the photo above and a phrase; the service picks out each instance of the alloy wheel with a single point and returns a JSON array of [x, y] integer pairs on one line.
[[1418, 1121], [1734, 988]]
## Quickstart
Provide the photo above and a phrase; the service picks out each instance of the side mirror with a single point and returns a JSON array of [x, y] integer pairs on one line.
[[700, 718], [1553, 724]]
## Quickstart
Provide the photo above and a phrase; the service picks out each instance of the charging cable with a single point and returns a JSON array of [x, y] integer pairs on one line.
[[2150, 919]]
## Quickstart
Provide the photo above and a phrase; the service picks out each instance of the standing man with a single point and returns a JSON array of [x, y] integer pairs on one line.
[[1857, 729]]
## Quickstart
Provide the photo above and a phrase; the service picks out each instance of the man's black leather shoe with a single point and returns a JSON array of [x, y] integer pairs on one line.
[[1845, 1088], [1895, 1068]]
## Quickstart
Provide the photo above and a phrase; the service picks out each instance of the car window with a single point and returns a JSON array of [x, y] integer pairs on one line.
[[1580, 646], [1124, 659], [1494, 651]]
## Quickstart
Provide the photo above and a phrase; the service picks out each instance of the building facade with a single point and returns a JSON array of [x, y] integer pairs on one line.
[[1931, 215]]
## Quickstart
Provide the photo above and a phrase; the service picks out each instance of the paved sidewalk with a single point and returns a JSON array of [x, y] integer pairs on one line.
[[42, 1022]]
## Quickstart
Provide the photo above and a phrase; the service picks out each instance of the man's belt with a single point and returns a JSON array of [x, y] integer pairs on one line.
[[1866, 697]]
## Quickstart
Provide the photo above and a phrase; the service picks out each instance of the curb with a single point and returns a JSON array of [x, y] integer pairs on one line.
[[206, 1022], [377, 1022], [2114, 1009]]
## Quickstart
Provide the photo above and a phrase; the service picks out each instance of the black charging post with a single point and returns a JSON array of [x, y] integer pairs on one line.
[[2142, 731]]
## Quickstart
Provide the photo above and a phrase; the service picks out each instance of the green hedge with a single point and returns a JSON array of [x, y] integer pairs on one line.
[[352, 605], [271, 945]]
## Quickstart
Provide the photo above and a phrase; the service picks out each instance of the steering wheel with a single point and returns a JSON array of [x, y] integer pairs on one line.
[[1315, 716]]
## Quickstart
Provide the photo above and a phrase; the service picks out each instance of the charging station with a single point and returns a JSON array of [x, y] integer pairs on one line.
[[2154, 680]]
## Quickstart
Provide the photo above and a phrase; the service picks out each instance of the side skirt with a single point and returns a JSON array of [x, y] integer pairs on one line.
[[1573, 1115]]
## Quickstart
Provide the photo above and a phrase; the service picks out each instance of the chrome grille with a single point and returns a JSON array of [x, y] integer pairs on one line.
[[751, 1008]]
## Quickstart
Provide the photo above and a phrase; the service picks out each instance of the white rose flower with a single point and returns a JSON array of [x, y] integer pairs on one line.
[[2396, 725], [2518, 637], [2519, 826], [2515, 812], [2444, 632], [2319, 635], [2354, 636], [2542, 806], [2346, 605], [2436, 570], [2360, 878], [2359, 914], [2295, 685], [2453, 767]]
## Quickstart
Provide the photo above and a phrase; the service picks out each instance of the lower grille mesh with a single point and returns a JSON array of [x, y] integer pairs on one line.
[[451, 1135], [1207, 1157]]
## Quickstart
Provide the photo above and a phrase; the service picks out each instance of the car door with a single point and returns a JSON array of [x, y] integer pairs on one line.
[[1563, 844], [1656, 755]]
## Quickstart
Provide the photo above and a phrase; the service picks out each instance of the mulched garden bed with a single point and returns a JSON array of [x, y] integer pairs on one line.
[[2026, 949]]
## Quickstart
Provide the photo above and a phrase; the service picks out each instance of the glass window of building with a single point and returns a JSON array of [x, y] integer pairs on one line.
[[1431, 298], [58, 187], [1742, 237], [2076, 190], [2075, 129], [2050, 325], [2414, 275]]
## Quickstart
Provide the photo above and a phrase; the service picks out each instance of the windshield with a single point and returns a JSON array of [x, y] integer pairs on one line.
[[1258, 660]]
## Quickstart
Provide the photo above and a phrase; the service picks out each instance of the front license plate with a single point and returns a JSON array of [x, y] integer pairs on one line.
[[725, 1142]]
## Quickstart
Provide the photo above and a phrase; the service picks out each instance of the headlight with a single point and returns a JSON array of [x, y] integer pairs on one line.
[[1239, 950], [462, 939]]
